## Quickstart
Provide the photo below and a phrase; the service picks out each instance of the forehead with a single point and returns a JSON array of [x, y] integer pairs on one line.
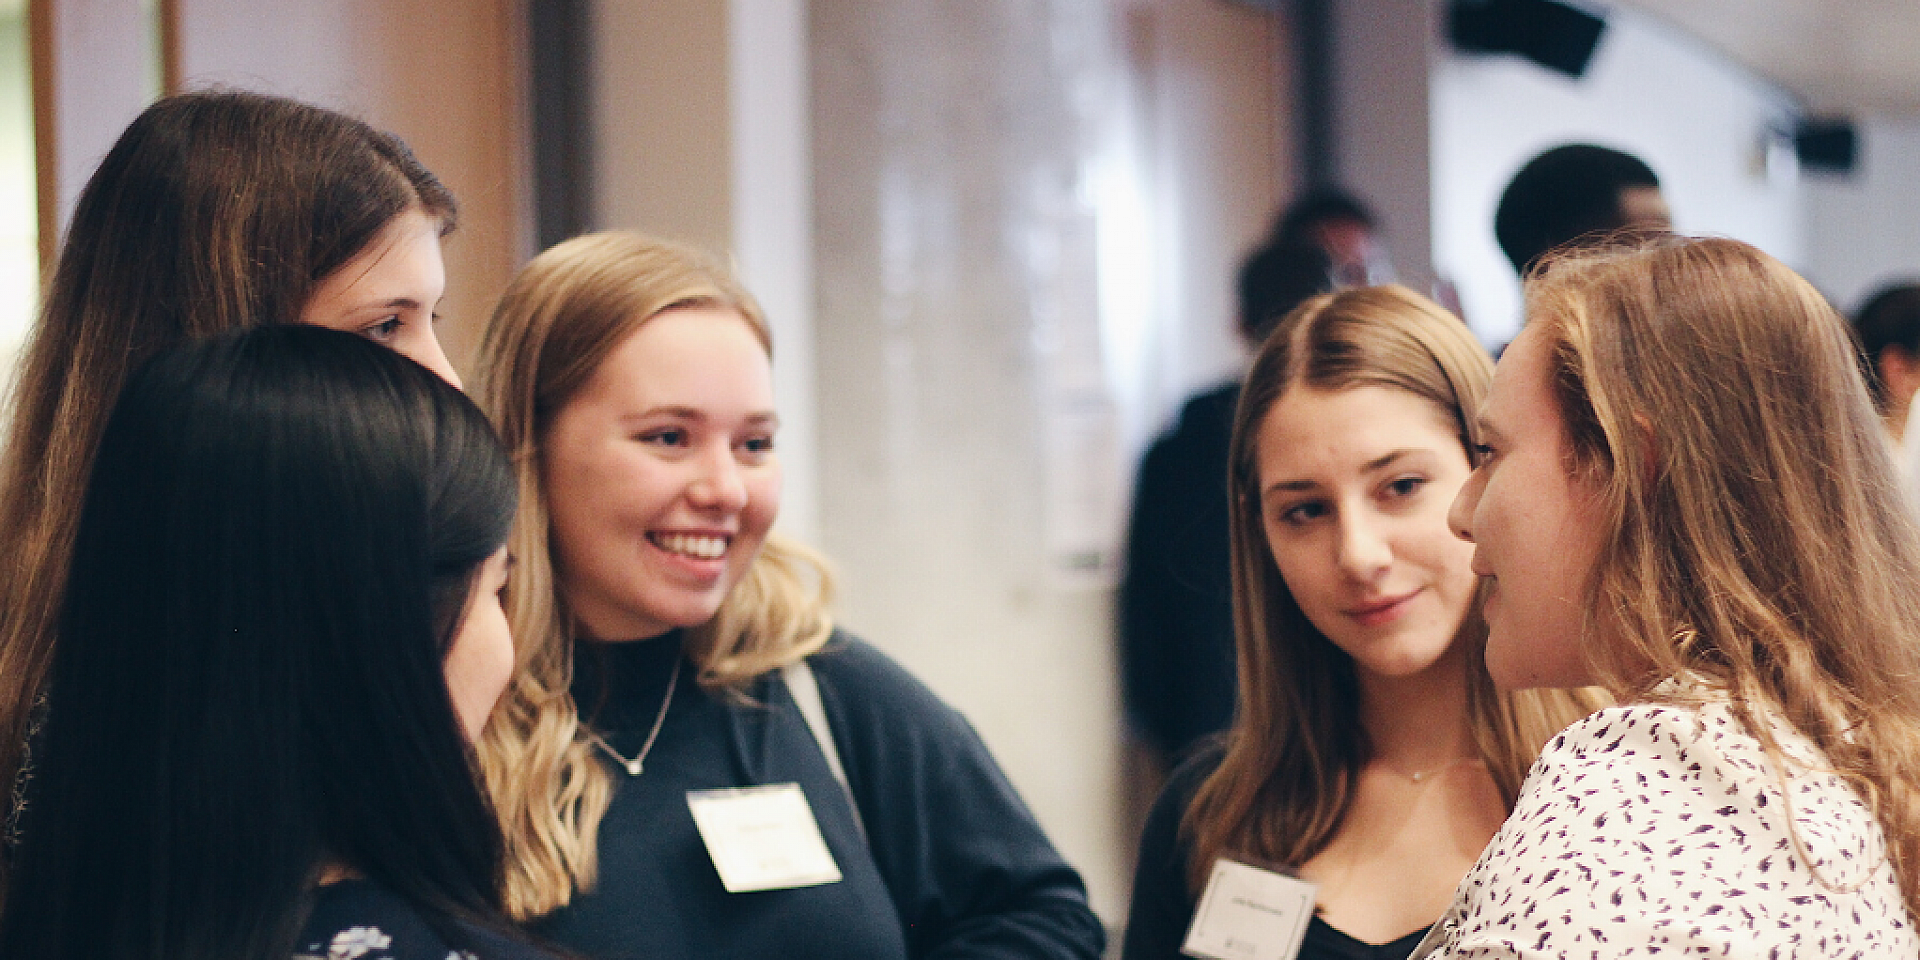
[[405, 252], [1310, 428], [1519, 398], [687, 355]]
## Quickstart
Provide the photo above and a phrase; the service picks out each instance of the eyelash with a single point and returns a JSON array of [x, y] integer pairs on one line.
[[383, 329], [1411, 485], [1292, 516], [1398, 488], [676, 437]]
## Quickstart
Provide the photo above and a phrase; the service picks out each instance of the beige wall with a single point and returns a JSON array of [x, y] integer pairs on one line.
[[662, 151], [94, 68], [985, 176]]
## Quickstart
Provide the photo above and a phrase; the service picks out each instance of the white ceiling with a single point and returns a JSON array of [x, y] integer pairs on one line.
[[1855, 57]]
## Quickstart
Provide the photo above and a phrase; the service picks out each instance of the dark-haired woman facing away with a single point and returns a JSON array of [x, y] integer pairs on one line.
[[214, 211], [1370, 754], [281, 632]]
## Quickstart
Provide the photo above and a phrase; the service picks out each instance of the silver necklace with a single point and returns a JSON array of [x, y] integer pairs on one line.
[[1421, 776], [638, 764]]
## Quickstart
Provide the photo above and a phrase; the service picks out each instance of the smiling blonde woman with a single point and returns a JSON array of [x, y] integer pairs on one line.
[[681, 676]]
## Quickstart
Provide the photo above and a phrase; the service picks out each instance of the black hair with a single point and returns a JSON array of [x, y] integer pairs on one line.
[[1890, 318], [1296, 223], [1562, 195], [276, 545], [1276, 278]]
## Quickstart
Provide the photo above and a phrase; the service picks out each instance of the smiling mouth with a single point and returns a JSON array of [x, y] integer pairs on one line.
[[1380, 611], [695, 546]]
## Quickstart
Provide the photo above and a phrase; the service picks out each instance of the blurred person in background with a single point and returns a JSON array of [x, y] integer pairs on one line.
[[1886, 330], [1576, 191]]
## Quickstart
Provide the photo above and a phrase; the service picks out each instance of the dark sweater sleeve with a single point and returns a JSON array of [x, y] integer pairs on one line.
[[1175, 606], [1162, 907], [966, 864]]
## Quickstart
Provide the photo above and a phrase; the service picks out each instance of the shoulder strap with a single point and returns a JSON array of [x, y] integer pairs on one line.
[[806, 695]]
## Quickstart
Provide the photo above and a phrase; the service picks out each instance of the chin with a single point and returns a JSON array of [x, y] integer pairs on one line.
[[689, 615]]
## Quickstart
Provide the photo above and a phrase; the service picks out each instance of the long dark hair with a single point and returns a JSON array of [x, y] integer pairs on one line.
[[277, 543], [213, 211]]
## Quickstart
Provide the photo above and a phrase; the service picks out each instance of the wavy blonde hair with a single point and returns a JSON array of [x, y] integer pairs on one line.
[[559, 319], [1759, 538], [1296, 745]]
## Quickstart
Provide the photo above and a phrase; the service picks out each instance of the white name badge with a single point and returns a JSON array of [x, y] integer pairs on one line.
[[762, 838], [1247, 913]]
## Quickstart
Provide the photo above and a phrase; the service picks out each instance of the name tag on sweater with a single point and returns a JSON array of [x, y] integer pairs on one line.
[[762, 838], [1247, 913]]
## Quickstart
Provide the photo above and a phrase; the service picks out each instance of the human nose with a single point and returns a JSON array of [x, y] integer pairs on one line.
[[428, 353], [719, 485], [1364, 551], [1460, 513]]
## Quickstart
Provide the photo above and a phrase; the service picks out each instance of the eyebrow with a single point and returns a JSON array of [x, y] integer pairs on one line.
[[1484, 426], [1377, 463], [698, 415]]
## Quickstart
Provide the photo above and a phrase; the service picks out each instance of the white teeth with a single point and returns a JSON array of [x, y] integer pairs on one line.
[[703, 548]]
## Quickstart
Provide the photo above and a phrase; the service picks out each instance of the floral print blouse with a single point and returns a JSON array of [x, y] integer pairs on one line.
[[1664, 830], [360, 920]]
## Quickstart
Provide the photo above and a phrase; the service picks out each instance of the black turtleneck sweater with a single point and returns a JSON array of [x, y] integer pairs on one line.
[[954, 864]]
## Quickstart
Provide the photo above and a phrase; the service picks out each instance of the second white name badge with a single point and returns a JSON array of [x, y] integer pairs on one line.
[[1247, 913], [762, 838]]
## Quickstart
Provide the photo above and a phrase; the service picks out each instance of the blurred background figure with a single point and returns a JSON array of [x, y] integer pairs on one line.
[[1886, 330], [1341, 226], [1176, 620], [1572, 191]]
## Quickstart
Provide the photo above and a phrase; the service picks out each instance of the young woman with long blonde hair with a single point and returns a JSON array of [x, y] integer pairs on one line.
[[1369, 753], [681, 676], [1688, 499]]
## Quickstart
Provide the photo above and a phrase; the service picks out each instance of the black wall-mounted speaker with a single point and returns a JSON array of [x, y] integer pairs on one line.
[[1826, 146], [1555, 35]]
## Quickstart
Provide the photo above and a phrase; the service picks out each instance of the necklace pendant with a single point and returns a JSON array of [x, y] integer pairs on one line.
[[633, 767]]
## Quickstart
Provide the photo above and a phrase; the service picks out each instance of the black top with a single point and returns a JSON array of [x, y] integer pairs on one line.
[[956, 866], [1176, 597], [1163, 908], [361, 920]]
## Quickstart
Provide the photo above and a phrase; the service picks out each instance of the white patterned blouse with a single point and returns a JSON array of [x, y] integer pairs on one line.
[[1664, 831]]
